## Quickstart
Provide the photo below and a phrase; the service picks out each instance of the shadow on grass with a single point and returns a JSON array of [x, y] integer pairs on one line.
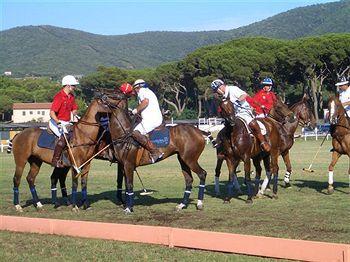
[[320, 186]]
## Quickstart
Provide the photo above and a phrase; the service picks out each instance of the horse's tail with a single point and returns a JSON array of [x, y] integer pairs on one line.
[[208, 135], [9, 148]]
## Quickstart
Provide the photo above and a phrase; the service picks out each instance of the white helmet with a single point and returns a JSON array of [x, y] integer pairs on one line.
[[139, 83], [69, 80]]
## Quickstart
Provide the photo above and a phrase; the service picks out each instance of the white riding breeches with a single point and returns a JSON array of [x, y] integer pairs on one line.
[[246, 116], [147, 126], [57, 130]]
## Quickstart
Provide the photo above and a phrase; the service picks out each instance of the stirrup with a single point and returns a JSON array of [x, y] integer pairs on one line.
[[160, 156]]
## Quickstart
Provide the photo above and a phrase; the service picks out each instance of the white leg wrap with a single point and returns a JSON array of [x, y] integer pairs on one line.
[[217, 186], [330, 177], [266, 181], [287, 177], [199, 203], [39, 205]]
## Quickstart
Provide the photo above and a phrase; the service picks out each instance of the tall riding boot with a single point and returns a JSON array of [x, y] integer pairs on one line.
[[254, 126], [61, 144], [148, 145]]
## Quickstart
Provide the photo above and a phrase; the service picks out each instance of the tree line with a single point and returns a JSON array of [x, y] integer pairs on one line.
[[310, 64]]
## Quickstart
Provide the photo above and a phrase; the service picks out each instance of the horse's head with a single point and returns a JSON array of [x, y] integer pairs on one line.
[[304, 112], [336, 110], [281, 112], [227, 110]]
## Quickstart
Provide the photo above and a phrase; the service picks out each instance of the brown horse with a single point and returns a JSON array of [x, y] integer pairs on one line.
[[340, 132], [284, 119], [186, 141], [240, 145], [83, 144]]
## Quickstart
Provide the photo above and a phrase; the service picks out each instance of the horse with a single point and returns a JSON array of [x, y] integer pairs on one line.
[[285, 118], [240, 145], [340, 132], [186, 141], [83, 146]]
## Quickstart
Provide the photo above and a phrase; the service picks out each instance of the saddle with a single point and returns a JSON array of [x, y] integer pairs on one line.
[[48, 140], [261, 125]]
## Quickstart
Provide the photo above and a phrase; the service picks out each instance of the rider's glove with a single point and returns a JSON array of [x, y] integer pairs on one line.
[[134, 111]]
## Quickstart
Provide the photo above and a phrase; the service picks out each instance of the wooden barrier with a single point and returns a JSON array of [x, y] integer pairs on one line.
[[177, 237]]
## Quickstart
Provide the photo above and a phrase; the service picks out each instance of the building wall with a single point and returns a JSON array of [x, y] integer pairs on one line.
[[27, 115]]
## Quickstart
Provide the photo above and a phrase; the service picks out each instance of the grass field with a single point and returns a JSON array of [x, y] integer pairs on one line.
[[304, 211]]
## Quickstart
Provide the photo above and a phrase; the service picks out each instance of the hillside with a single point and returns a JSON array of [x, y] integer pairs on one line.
[[52, 50]]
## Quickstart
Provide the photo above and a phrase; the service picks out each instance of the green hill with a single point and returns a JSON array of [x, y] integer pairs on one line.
[[49, 50]]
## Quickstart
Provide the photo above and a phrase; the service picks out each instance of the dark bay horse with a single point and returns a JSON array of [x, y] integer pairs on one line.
[[340, 132], [240, 145], [287, 124], [186, 141], [83, 144]]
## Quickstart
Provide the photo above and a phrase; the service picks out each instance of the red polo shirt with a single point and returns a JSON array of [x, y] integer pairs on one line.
[[262, 98], [63, 105]]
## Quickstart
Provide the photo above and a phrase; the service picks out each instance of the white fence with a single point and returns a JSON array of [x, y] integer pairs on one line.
[[316, 133]]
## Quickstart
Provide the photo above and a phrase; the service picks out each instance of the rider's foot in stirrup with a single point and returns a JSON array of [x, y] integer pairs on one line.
[[265, 146]]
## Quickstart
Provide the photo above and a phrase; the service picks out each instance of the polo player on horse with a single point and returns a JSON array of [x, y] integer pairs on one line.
[[151, 115], [242, 109]]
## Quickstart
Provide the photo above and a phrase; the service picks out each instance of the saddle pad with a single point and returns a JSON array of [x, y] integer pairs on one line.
[[47, 140], [261, 125], [160, 137]]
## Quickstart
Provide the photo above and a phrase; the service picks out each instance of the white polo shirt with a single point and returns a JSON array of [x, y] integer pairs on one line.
[[235, 93], [344, 97], [151, 115]]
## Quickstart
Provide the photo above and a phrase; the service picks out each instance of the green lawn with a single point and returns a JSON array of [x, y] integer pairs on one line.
[[304, 211]]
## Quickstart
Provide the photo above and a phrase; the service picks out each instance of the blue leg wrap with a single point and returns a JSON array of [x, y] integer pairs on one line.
[[84, 194], [201, 191], [275, 183], [15, 196], [53, 194], [129, 197], [64, 192], [230, 188], [187, 194], [34, 194], [74, 196], [249, 189]]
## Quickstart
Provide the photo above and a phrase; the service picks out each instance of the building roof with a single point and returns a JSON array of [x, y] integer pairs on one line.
[[31, 106]]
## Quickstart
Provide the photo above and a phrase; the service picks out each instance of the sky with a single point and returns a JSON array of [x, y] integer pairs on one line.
[[109, 17]]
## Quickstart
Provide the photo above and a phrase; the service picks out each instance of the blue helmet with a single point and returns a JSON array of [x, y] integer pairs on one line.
[[267, 81], [216, 84]]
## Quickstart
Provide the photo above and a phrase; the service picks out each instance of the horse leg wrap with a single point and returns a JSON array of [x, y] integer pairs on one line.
[[64, 192], [287, 177], [230, 188], [266, 181], [53, 194], [15, 196], [275, 183], [34, 194], [74, 196], [217, 185], [187, 194], [129, 197], [84, 194], [201, 191], [330, 177], [236, 183], [249, 188]]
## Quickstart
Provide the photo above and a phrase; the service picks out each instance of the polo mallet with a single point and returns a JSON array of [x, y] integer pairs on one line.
[[310, 166], [75, 166], [145, 192]]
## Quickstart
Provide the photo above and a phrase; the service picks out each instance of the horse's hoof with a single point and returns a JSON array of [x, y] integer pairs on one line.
[[56, 205], [67, 202], [227, 200], [87, 207], [330, 190], [274, 196], [249, 201], [39, 206], [179, 207], [260, 195], [75, 209], [128, 210], [199, 205], [19, 208]]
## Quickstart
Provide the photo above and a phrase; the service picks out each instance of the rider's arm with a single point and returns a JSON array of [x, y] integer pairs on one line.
[[54, 116], [144, 103], [242, 97], [346, 104]]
